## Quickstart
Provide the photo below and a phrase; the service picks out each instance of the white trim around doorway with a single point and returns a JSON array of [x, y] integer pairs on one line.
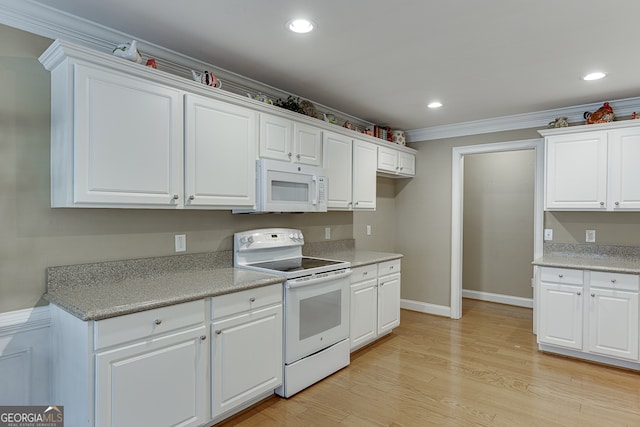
[[457, 191]]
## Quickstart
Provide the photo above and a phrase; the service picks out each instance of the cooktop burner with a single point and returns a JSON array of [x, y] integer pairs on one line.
[[295, 264]]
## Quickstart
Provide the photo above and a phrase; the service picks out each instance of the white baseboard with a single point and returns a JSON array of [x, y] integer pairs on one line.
[[499, 298], [423, 307], [25, 360]]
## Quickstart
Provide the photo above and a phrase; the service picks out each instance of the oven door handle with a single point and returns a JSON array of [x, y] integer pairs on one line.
[[299, 283]]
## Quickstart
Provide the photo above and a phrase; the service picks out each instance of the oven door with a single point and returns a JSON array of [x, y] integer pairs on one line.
[[316, 313]]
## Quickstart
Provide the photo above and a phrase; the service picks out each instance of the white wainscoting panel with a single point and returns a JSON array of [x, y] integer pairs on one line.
[[25, 357]]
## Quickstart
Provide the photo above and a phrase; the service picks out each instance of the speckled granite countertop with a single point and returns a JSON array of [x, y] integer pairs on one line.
[[617, 259], [102, 290], [344, 250], [108, 289]]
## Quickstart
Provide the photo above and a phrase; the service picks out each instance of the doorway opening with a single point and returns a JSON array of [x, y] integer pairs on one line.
[[457, 207]]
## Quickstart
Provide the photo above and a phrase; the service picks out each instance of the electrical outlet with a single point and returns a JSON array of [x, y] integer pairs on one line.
[[368, 230], [181, 242], [327, 233], [548, 234], [590, 236]]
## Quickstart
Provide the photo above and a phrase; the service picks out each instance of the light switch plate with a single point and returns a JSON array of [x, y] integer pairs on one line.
[[368, 230], [590, 236], [548, 234], [327, 233]]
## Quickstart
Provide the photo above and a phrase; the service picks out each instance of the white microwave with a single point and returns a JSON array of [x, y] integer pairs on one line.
[[289, 187]]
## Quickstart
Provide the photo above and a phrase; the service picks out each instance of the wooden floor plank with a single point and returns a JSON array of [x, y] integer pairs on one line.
[[481, 370]]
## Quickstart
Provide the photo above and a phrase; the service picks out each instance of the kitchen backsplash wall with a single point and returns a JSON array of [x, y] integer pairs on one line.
[[612, 228]]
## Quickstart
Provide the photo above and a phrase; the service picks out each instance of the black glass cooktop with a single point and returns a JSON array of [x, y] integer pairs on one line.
[[295, 264]]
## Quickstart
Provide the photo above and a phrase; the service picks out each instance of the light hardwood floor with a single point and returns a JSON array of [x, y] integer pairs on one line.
[[482, 370]]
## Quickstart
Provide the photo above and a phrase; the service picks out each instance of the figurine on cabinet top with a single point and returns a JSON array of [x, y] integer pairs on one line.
[[128, 50], [603, 114]]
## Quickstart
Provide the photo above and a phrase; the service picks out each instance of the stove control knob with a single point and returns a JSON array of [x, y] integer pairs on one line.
[[291, 236], [300, 236], [243, 240], [250, 240]]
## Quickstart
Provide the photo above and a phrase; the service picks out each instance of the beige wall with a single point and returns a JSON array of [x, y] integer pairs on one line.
[[612, 228], [382, 222], [33, 236], [423, 217], [498, 222]]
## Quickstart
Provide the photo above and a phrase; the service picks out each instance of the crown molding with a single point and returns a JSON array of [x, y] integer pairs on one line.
[[52, 23], [538, 119]]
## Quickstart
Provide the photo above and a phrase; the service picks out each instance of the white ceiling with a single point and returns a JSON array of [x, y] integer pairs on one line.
[[383, 61]]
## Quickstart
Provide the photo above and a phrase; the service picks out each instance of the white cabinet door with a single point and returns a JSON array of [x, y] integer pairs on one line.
[[364, 312], [158, 382], [364, 175], [576, 171], [307, 142], [560, 316], [613, 323], [127, 142], [387, 160], [276, 137], [624, 170], [337, 154], [220, 140], [246, 357], [406, 163], [388, 303]]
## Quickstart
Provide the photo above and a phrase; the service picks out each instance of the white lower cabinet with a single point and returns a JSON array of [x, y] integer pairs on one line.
[[246, 349], [159, 382], [374, 301], [598, 317]]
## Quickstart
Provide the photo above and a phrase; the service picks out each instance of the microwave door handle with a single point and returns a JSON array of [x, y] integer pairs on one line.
[[316, 191]]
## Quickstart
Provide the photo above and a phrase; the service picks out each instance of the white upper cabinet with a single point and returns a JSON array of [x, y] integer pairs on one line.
[[116, 140], [289, 141], [338, 162], [396, 163], [593, 169], [624, 169], [219, 154], [364, 175]]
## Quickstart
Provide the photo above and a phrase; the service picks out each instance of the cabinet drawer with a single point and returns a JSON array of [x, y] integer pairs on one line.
[[147, 323], [389, 267], [359, 274], [629, 282], [237, 302], [561, 275]]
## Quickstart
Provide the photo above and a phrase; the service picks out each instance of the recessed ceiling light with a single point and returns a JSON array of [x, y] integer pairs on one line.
[[594, 76], [435, 104], [300, 25]]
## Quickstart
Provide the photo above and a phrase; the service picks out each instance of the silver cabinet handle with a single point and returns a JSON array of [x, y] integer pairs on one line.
[[561, 275], [252, 299], [219, 331], [191, 197], [298, 156], [593, 295], [617, 203], [365, 273], [176, 197], [289, 154], [613, 280], [601, 203], [158, 322], [579, 293], [203, 337], [355, 204]]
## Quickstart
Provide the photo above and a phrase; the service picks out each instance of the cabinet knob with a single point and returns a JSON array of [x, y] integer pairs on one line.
[[252, 299], [289, 154], [298, 156], [203, 337], [593, 295], [176, 197], [191, 197], [219, 331], [601, 203], [613, 280], [561, 275], [365, 273], [158, 322], [391, 267], [355, 204], [578, 293], [617, 203]]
